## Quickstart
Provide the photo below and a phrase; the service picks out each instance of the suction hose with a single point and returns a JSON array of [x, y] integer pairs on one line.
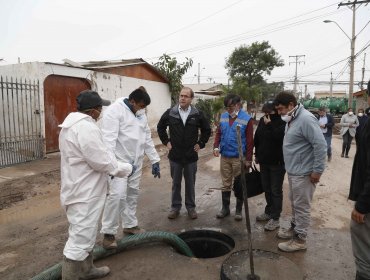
[[55, 272]]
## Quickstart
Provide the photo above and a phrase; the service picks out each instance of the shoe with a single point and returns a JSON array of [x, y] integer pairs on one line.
[[109, 242], [272, 225], [329, 158], [342, 155], [193, 214], [346, 156], [173, 214], [225, 211], [263, 217], [71, 270], [90, 271], [285, 233], [293, 245], [133, 230], [238, 210]]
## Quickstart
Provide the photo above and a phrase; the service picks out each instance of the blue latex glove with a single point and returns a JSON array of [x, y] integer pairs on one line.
[[156, 170], [134, 167]]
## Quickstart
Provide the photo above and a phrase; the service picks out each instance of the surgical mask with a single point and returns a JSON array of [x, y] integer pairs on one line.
[[286, 118], [350, 113], [234, 114], [140, 113], [360, 114]]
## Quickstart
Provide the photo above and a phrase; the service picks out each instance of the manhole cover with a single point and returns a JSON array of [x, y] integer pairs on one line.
[[267, 266], [208, 243]]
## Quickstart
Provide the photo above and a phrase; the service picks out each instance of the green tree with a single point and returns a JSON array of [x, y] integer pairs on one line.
[[173, 71], [247, 64]]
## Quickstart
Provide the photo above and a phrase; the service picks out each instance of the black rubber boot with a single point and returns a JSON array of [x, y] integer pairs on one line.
[[225, 211], [238, 210]]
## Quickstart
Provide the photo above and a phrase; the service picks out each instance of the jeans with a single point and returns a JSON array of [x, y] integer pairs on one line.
[[177, 170], [360, 236], [272, 178], [328, 144]]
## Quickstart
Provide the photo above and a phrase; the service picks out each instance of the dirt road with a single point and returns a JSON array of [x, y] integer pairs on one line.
[[33, 231]]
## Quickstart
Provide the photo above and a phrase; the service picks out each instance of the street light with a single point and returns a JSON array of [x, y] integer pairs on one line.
[[352, 58]]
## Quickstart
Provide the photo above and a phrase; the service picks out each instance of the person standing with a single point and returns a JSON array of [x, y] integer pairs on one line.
[[127, 135], [268, 143], [360, 193], [362, 119], [326, 122], [348, 122], [85, 165], [226, 144], [183, 142], [304, 150]]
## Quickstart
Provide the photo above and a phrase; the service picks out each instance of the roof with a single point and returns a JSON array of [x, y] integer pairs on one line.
[[209, 87], [359, 93]]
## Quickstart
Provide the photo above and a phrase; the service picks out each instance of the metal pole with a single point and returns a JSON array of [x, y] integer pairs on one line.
[[198, 73], [331, 84], [352, 69], [251, 276]]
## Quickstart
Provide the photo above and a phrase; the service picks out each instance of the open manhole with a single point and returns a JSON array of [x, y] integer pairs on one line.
[[208, 243]]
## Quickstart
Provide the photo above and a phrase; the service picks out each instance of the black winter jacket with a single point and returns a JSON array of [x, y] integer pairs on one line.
[[360, 180], [268, 141], [183, 138]]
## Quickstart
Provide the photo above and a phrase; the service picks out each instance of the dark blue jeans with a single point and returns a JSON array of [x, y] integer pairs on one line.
[[328, 144], [272, 177], [189, 171]]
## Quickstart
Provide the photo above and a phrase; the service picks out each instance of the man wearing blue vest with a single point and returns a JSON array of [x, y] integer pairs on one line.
[[226, 144]]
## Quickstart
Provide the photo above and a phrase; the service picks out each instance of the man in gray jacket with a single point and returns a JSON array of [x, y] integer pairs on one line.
[[304, 150]]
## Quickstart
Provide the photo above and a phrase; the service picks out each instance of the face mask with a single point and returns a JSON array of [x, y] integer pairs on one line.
[[286, 118], [360, 114], [233, 114], [140, 113], [350, 113]]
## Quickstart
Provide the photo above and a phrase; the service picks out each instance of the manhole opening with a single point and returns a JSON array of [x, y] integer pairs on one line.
[[208, 243]]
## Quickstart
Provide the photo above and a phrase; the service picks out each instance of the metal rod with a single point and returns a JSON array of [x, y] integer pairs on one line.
[[246, 207]]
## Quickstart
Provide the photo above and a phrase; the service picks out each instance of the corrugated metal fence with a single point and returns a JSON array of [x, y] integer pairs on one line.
[[20, 122]]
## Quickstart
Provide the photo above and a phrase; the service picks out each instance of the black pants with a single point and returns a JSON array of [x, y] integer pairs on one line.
[[347, 140], [272, 177]]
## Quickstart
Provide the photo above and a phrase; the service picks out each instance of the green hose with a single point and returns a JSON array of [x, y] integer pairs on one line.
[[55, 272]]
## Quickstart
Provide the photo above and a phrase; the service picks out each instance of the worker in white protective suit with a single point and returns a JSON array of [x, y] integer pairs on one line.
[[126, 133], [85, 166]]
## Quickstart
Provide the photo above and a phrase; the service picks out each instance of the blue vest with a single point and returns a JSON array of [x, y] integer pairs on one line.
[[229, 140]]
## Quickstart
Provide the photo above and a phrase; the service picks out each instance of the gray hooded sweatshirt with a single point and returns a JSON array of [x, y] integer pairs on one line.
[[304, 146]]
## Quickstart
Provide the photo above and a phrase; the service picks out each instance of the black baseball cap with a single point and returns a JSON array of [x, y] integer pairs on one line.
[[89, 99]]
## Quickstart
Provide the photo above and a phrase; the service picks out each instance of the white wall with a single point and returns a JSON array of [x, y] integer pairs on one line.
[[109, 86]]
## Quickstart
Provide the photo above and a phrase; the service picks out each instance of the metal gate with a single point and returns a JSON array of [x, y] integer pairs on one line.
[[20, 121]]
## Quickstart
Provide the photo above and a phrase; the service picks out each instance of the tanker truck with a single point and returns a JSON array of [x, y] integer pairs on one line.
[[337, 106]]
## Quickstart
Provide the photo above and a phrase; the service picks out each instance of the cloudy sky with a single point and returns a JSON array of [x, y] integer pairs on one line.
[[205, 30]]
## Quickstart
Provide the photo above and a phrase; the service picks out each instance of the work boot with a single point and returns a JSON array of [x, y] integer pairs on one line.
[[238, 210], [293, 245], [329, 158], [109, 242], [173, 214], [225, 211], [272, 225], [263, 217], [71, 270], [89, 271], [133, 230], [346, 156], [193, 214]]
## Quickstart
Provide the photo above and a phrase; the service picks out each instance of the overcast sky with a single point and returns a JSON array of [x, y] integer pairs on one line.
[[205, 30]]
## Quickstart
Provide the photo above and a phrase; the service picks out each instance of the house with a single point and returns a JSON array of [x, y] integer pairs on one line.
[[361, 99], [37, 96], [206, 91]]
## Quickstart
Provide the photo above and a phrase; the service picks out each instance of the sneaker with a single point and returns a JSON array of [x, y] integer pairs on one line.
[[272, 225], [293, 245], [193, 214], [238, 217], [133, 230], [285, 233], [329, 158], [109, 242], [263, 217], [173, 214], [346, 156]]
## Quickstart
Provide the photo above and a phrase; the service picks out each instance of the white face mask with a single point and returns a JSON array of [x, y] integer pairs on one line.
[[286, 118], [350, 113], [360, 114], [140, 113]]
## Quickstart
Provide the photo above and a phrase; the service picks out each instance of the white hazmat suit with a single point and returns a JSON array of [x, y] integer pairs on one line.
[[85, 165], [128, 137]]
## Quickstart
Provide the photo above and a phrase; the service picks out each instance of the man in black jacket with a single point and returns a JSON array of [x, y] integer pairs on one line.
[[326, 124], [183, 142], [360, 192], [268, 143]]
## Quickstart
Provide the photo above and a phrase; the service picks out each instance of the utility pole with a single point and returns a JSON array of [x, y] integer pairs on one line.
[[198, 73], [352, 6], [363, 73], [296, 57], [331, 84]]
